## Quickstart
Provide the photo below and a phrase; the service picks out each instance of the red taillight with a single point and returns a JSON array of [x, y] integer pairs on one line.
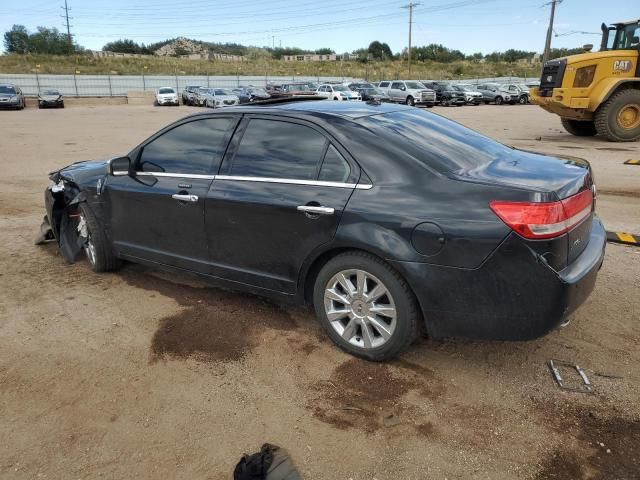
[[544, 220]]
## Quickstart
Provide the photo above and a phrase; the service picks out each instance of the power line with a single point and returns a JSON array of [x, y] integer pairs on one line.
[[410, 7], [66, 17], [547, 45]]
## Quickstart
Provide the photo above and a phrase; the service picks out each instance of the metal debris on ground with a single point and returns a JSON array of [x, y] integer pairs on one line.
[[555, 371]]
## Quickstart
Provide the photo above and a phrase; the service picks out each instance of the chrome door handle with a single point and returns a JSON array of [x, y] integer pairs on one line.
[[184, 198], [316, 210]]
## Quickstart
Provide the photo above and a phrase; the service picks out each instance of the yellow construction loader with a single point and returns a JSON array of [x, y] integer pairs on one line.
[[597, 92]]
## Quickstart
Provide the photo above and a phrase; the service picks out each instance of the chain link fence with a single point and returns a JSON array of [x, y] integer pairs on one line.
[[120, 85]]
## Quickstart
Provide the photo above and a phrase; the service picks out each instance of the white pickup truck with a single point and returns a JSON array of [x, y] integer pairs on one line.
[[409, 92]]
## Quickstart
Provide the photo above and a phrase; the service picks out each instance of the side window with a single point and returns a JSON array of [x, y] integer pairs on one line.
[[334, 168], [191, 148], [276, 149], [396, 85]]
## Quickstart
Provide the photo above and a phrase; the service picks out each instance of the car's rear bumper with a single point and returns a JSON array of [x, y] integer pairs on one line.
[[513, 295]]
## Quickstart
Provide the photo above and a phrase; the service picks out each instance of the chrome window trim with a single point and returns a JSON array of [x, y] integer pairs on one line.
[[294, 181], [176, 175], [289, 181]]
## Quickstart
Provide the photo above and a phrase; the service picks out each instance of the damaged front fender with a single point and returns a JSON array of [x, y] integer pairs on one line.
[[69, 187]]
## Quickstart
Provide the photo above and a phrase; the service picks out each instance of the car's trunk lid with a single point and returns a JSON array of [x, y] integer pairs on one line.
[[549, 179]]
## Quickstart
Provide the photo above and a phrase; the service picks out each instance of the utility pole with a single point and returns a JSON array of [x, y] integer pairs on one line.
[[66, 24], [410, 7], [547, 45]]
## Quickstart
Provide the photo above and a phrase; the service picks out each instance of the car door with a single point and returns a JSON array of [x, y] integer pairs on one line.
[[395, 91], [157, 212], [278, 197]]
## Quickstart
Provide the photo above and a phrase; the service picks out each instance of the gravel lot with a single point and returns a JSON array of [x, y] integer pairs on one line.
[[140, 374]]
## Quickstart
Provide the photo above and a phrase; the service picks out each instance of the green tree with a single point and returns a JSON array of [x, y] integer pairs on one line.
[[380, 51], [324, 51], [16, 40], [123, 46]]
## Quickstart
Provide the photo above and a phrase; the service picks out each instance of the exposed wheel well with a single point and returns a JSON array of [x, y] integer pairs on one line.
[[318, 263]]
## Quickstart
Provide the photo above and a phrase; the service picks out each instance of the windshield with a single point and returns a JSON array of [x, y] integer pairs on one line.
[[222, 91], [166, 90], [7, 90], [50, 92], [436, 140], [627, 37], [340, 88], [414, 85]]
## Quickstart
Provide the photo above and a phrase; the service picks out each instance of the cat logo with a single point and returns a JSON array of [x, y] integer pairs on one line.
[[622, 65]]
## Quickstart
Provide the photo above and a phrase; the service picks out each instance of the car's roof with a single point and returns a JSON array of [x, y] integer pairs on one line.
[[323, 108]]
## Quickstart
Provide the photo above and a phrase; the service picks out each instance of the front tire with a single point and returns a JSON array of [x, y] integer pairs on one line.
[[410, 101], [579, 128], [366, 307], [499, 101], [97, 247], [618, 119]]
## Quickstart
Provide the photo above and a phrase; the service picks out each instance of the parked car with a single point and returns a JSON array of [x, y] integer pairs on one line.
[[289, 89], [220, 97], [368, 92], [50, 98], [188, 94], [257, 93], [250, 94], [11, 96], [409, 92], [166, 96], [471, 95], [242, 95], [446, 93], [337, 92], [520, 92], [384, 217], [492, 94], [200, 95]]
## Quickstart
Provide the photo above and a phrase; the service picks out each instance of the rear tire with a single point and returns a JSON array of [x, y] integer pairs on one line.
[[579, 128], [618, 119], [499, 100], [359, 331], [98, 248]]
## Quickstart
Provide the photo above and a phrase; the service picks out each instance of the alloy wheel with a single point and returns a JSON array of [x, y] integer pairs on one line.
[[88, 247], [360, 308]]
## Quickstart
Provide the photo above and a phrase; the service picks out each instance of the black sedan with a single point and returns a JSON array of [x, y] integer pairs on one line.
[[50, 98], [368, 92], [386, 218]]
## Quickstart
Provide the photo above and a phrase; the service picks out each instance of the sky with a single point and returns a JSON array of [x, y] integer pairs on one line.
[[466, 25]]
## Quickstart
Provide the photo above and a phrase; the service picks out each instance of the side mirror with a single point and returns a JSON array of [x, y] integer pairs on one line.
[[587, 47], [120, 166], [403, 88]]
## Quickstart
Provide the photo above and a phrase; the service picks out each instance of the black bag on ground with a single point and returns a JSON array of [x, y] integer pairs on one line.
[[270, 463]]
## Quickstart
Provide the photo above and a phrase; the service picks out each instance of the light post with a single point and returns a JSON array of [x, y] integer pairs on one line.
[[75, 81], [144, 83]]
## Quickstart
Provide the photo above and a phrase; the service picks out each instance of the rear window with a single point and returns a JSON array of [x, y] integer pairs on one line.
[[440, 143]]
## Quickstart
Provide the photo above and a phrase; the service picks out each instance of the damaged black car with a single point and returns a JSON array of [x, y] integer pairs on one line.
[[389, 220]]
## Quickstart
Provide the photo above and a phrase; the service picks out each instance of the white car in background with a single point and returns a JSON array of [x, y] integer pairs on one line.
[[220, 97], [337, 92], [166, 96]]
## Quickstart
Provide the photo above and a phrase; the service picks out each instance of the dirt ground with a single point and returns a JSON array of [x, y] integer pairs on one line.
[[140, 374]]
